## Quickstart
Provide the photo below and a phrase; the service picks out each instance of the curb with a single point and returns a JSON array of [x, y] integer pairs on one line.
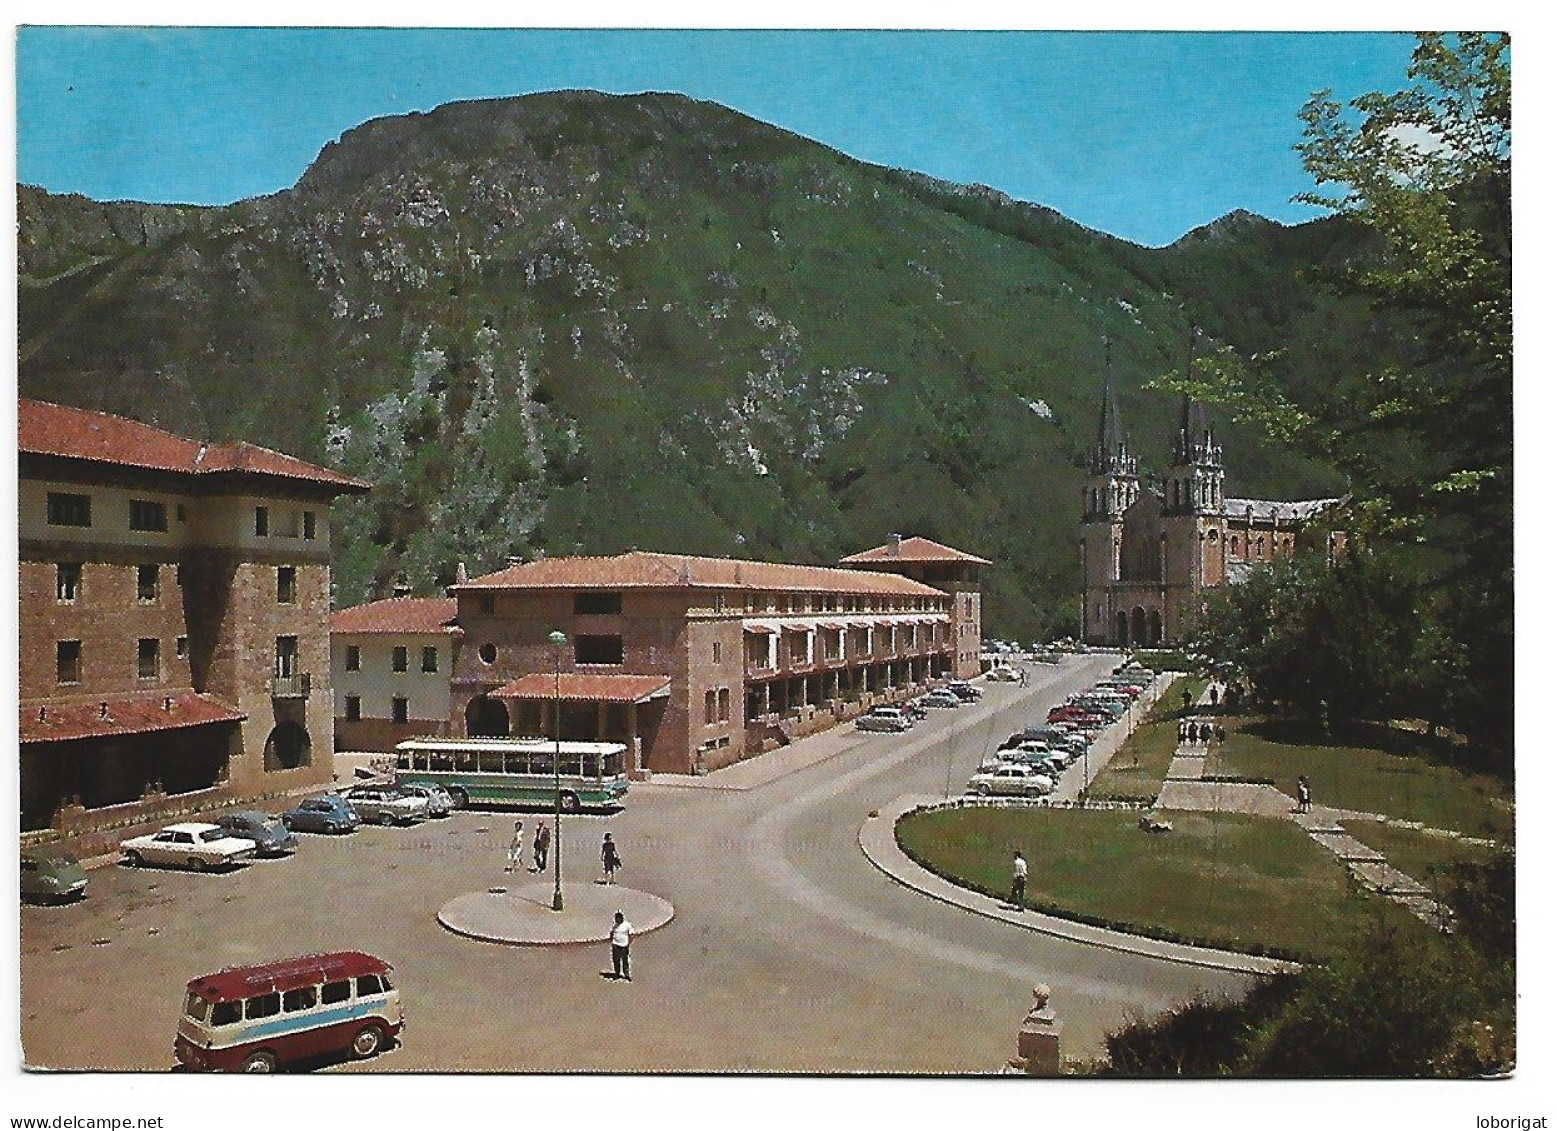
[[878, 841]]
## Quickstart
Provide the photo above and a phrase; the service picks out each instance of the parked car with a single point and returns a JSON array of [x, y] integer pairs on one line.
[[439, 802], [964, 690], [327, 814], [1011, 781], [885, 719], [916, 710], [385, 804], [51, 877], [192, 844], [270, 836], [1003, 673], [942, 699]]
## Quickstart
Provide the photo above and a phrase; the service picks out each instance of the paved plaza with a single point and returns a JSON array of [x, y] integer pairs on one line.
[[789, 951]]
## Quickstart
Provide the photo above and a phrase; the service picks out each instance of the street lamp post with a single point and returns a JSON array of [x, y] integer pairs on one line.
[[557, 641]]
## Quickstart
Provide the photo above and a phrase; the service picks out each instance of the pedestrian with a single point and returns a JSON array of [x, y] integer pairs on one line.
[[1214, 696], [516, 848], [1018, 881], [1205, 734], [1221, 733], [610, 861], [542, 844], [621, 939], [1305, 798]]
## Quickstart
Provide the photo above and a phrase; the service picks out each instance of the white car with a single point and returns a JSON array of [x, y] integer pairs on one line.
[[386, 804], [885, 719], [190, 845], [1015, 780], [1004, 674]]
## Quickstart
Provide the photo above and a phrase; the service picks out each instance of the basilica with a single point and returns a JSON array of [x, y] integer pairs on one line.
[[1150, 551]]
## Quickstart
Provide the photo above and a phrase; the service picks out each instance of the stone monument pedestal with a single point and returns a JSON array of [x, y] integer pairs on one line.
[[1038, 1040]]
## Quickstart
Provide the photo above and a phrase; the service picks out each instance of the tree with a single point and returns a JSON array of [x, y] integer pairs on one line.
[[1427, 442]]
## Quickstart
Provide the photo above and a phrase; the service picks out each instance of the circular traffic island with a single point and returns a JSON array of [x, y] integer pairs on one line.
[[522, 916]]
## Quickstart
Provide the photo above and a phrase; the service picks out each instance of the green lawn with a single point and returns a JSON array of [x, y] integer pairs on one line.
[[1414, 852], [1371, 780], [1245, 883], [1140, 765]]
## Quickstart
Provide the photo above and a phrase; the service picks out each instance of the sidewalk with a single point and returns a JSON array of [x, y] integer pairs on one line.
[[878, 840]]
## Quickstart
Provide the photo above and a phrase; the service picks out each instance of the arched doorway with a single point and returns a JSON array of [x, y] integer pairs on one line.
[[1137, 625], [287, 747], [1121, 627], [486, 718], [1154, 623]]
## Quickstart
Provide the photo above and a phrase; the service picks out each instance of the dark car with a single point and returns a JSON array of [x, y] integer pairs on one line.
[[270, 836], [51, 877], [964, 691], [327, 814]]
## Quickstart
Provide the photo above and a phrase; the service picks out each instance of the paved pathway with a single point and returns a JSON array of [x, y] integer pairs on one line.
[[1187, 788]]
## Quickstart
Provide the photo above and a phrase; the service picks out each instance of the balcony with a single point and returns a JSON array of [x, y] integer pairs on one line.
[[294, 686]]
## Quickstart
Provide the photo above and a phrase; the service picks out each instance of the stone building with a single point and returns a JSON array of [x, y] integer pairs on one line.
[[1150, 552], [390, 664], [693, 662], [173, 620], [943, 568]]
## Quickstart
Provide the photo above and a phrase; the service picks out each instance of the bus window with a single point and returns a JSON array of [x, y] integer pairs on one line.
[[516, 762], [371, 984], [570, 764], [613, 764], [305, 998], [491, 761], [465, 761], [266, 1005], [591, 765], [332, 992], [226, 1012], [403, 762], [438, 761], [195, 1006]]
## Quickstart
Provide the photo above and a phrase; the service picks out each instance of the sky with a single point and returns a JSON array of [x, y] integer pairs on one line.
[[1143, 135]]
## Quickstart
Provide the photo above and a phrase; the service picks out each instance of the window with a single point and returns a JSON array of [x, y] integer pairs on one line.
[[181, 647], [399, 709], [353, 658], [353, 708], [724, 704], [487, 653], [429, 659], [226, 1012], [146, 584], [597, 649], [179, 511], [709, 707], [286, 585], [286, 656], [67, 661], [147, 654], [718, 602], [147, 515], [266, 1005], [67, 582], [69, 510], [372, 984], [397, 660], [261, 521], [294, 1001], [310, 529], [717, 651], [332, 992], [597, 604], [487, 604]]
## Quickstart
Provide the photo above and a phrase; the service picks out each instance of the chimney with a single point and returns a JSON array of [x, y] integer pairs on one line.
[[43, 713], [167, 703], [461, 574], [513, 560], [102, 709], [895, 548], [402, 587]]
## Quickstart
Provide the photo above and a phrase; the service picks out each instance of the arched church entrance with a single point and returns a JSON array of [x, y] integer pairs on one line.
[[486, 718]]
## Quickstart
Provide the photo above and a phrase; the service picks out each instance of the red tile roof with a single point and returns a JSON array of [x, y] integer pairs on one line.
[[641, 569], [139, 714], [912, 550], [74, 433], [588, 688], [396, 615]]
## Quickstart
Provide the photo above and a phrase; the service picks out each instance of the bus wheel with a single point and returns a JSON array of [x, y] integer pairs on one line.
[[261, 1061], [133, 860], [460, 798], [368, 1042], [386, 819], [570, 803]]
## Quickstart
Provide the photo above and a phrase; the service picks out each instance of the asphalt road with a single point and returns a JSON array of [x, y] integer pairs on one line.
[[789, 952]]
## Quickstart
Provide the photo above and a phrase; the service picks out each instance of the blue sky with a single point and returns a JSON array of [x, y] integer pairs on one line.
[[1144, 135]]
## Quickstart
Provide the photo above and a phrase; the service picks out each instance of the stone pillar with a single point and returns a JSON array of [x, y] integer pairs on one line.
[[1038, 1040]]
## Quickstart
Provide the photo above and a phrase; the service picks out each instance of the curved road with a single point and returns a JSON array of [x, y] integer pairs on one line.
[[789, 951]]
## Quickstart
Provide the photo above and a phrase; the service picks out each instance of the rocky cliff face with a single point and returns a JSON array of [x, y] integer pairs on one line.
[[579, 322]]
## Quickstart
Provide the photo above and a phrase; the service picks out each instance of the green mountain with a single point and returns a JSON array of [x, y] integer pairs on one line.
[[575, 322]]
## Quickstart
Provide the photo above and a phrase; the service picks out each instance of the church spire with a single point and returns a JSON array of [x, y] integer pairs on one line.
[[1110, 455], [1194, 442]]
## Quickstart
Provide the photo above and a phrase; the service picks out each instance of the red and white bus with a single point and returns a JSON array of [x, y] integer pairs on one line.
[[257, 1018]]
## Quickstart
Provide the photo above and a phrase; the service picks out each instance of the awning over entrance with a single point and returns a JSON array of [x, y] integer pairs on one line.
[[586, 688], [142, 714]]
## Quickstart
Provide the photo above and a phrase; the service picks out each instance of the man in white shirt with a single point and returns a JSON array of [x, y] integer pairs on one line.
[[1019, 881], [621, 939]]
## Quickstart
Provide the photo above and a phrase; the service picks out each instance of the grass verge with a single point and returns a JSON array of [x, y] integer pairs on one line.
[[1417, 853]]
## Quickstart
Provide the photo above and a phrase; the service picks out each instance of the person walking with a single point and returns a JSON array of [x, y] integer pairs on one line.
[[1305, 797], [610, 860], [516, 848], [542, 844], [1018, 881], [621, 940]]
